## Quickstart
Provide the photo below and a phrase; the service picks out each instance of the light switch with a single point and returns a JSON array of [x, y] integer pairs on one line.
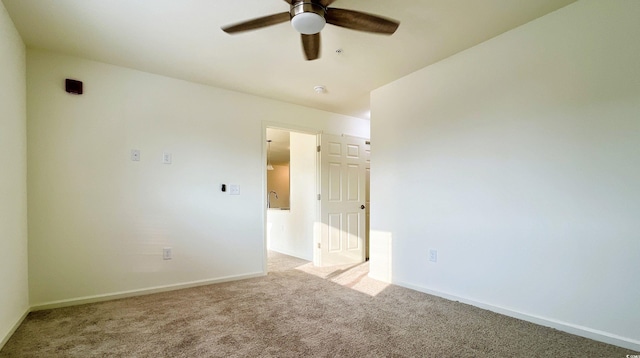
[[433, 255], [166, 158], [234, 189]]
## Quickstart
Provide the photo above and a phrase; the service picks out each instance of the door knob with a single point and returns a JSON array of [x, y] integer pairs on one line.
[[362, 206]]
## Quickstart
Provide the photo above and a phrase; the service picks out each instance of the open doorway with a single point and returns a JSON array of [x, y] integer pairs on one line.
[[291, 203]]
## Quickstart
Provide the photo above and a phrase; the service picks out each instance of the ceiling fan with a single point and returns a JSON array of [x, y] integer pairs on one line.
[[309, 17]]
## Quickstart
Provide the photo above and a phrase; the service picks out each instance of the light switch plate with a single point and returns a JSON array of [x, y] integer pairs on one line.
[[433, 255], [234, 189], [166, 158]]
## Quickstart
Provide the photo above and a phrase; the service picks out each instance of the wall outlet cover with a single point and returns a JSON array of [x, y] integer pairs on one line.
[[135, 155], [234, 189]]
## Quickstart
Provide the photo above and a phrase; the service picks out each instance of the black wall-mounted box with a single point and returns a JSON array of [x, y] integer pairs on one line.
[[73, 86]]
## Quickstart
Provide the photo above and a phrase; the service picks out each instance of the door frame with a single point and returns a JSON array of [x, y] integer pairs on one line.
[[300, 129]]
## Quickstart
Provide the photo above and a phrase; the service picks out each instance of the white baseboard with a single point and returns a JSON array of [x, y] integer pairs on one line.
[[577, 330], [13, 329], [140, 292]]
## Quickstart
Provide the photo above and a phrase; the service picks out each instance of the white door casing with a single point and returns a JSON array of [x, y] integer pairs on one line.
[[343, 162]]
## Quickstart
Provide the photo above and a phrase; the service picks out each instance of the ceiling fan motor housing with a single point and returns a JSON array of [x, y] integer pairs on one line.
[[307, 17]]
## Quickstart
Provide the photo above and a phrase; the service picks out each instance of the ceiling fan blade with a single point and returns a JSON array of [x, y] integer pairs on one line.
[[311, 46], [290, 2], [326, 3], [258, 23], [361, 21]]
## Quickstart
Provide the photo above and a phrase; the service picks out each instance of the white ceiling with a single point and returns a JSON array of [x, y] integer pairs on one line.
[[182, 39]]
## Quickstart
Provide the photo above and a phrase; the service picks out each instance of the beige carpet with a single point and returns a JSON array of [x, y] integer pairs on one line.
[[295, 311]]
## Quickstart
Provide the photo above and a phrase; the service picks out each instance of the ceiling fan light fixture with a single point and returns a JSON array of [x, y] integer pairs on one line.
[[307, 18], [269, 166], [308, 23]]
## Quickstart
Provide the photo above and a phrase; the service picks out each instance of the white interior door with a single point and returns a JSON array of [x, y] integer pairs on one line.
[[343, 161], [367, 203]]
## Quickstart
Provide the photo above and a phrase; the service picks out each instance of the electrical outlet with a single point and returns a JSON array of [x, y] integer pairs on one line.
[[234, 189], [135, 155], [167, 254], [433, 255]]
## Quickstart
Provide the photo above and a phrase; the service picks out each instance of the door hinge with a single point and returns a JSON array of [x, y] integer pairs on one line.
[[318, 148], [319, 197], [318, 245]]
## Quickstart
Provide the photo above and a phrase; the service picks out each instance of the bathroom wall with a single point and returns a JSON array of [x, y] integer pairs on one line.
[[278, 180]]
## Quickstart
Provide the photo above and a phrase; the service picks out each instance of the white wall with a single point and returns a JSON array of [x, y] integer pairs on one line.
[[291, 231], [98, 221], [519, 161], [278, 180], [14, 293]]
